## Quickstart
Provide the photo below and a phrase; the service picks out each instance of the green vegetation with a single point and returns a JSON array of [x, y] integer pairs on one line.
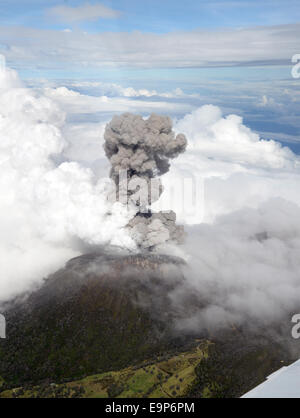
[[229, 372], [208, 370], [168, 378]]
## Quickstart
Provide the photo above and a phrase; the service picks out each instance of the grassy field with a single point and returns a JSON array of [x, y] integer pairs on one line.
[[169, 378]]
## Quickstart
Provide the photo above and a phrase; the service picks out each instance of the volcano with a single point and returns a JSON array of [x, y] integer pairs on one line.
[[102, 311], [112, 310]]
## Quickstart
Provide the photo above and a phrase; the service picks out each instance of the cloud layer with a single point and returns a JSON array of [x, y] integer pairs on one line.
[[199, 48]]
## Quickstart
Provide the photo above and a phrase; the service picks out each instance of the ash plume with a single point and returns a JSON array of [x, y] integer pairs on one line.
[[142, 149]]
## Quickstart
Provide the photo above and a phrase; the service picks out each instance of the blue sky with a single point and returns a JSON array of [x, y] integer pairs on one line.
[[157, 15], [235, 54]]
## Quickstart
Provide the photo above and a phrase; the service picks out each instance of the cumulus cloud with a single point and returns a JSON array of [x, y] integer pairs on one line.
[[131, 92], [227, 138], [229, 166], [46, 209], [86, 12]]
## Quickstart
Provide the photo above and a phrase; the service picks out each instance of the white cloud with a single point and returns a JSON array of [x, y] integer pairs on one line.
[[264, 45], [228, 139], [45, 208], [237, 167], [126, 101], [245, 267], [115, 90], [86, 12], [269, 102]]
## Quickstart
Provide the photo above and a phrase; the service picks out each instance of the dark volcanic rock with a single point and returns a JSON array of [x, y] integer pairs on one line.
[[101, 312]]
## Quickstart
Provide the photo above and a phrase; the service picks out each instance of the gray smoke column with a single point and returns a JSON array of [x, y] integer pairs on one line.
[[142, 149]]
